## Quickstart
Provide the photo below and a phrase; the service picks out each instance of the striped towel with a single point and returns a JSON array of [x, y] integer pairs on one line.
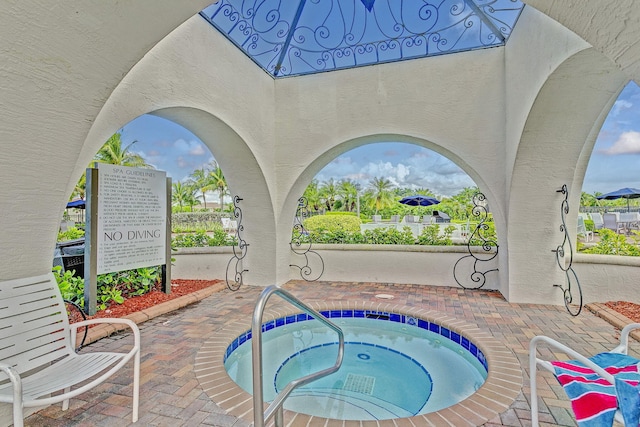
[[593, 399]]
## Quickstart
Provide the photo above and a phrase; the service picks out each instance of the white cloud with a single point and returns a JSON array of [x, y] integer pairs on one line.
[[417, 168], [191, 148], [627, 143], [619, 106]]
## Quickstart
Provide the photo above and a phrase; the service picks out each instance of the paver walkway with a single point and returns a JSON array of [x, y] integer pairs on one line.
[[171, 394]]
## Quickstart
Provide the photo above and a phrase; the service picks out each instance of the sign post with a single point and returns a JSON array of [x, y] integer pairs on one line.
[[126, 223]]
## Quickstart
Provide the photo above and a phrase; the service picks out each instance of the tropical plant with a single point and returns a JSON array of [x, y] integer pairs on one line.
[[183, 194], [348, 192], [200, 180], [612, 243], [329, 193], [71, 286], [431, 235], [218, 183], [312, 195], [113, 152], [379, 195], [71, 233]]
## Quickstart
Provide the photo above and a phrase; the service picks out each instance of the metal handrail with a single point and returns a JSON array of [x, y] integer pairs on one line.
[[260, 416]]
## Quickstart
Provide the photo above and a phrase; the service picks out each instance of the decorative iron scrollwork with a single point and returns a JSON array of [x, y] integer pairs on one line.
[[298, 37], [301, 245], [477, 278], [570, 274], [239, 250]]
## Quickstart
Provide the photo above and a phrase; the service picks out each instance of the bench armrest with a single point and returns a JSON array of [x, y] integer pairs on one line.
[[73, 327], [623, 347]]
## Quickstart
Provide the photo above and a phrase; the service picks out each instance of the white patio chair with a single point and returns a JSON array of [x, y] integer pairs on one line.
[[582, 230], [39, 365], [376, 218], [598, 222], [612, 222], [630, 220], [599, 387]]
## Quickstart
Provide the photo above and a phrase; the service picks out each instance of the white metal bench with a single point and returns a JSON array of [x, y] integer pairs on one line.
[[38, 364]]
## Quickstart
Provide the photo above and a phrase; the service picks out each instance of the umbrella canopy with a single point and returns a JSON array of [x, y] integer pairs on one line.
[[623, 193], [419, 200], [79, 204]]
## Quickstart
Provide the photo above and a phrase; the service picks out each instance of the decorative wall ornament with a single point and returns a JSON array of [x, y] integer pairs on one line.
[[478, 277], [574, 307], [239, 250], [301, 245]]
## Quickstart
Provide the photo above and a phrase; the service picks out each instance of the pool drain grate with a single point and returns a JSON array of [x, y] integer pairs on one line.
[[359, 384]]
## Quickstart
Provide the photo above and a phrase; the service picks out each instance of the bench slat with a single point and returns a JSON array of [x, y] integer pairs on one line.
[[35, 333]]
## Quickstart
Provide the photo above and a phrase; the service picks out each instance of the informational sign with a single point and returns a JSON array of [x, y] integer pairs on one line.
[[131, 222]]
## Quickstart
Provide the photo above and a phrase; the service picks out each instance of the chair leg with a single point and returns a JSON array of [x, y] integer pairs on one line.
[[136, 386], [18, 415], [65, 403]]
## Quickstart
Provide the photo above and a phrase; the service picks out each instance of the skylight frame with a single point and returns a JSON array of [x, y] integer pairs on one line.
[[412, 29]]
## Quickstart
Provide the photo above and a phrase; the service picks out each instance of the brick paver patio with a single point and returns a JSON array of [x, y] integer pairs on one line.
[[171, 394]]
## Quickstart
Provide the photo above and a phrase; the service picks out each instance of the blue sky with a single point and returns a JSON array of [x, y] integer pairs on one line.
[[614, 163]]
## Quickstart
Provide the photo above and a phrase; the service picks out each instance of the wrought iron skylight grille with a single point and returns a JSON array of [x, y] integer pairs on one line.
[[294, 37]]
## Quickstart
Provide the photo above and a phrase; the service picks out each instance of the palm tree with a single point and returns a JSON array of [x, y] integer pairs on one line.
[[218, 182], [312, 195], [328, 193], [183, 194], [112, 152], [380, 194], [348, 191], [200, 180]]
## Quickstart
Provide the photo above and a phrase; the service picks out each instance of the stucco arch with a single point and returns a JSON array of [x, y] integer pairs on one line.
[[560, 129], [245, 179], [305, 177]]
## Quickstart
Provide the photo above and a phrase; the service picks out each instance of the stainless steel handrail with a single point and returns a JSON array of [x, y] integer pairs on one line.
[[260, 416]]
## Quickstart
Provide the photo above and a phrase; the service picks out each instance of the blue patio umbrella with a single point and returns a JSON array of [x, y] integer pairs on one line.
[[623, 193], [79, 204], [419, 200]]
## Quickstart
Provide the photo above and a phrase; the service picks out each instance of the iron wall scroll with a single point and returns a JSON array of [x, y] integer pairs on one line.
[[570, 274], [239, 250], [301, 245], [478, 277]]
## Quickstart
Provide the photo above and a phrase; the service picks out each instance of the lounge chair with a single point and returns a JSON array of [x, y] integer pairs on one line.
[[228, 225], [612, 222], [376, 218], [582, 230], [411, 219], [394, 218], [601, 388], [598, 222]]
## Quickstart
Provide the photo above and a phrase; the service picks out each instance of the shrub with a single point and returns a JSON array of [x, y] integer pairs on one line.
[[486, 235], [71, 234], [389, 236], [333, 223], [431, 235], [112, 287], [199, 239], [612, 243]]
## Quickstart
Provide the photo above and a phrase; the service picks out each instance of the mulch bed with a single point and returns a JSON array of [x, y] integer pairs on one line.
[[626, 308], [179, 287]]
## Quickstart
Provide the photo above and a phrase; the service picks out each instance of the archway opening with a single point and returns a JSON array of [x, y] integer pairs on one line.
[[366, 195], [609, 215]]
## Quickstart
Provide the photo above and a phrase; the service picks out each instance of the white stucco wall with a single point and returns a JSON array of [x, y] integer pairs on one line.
[[518, 120], [521, 120]]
